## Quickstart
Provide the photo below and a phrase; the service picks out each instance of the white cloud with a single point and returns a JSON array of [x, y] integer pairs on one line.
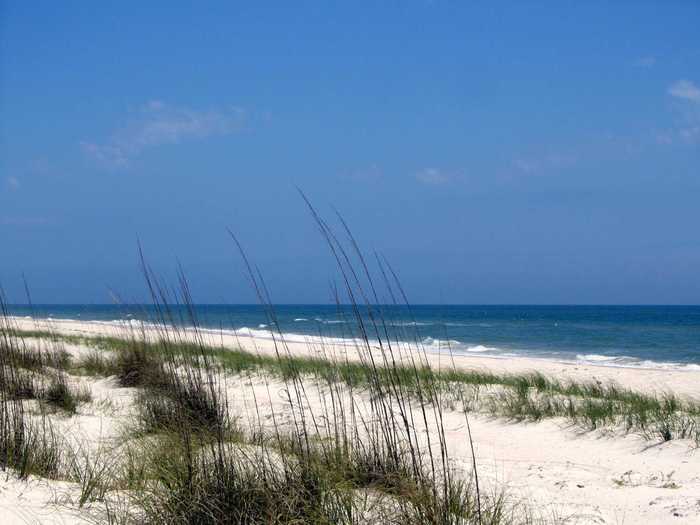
[[12, 183], [156, 124], [687, 110], [109, 154], [686, 90], [546, 163], [432, 176]]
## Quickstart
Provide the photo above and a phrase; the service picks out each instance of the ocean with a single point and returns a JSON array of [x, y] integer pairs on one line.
[[630, 336]]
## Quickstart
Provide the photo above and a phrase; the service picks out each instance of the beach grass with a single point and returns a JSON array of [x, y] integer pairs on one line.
[[28, 444], [526, 396], [214, 473]]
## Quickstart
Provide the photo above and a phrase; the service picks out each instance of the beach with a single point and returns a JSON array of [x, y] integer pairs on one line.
[[685, 381], [568, 474]]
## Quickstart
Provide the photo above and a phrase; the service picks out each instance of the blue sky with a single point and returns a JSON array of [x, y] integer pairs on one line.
[[494, 152]]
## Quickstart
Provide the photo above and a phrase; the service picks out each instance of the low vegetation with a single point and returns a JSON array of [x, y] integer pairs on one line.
[[527, 396]]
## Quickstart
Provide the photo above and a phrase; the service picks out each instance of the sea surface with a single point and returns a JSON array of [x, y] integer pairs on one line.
[[630, 336]]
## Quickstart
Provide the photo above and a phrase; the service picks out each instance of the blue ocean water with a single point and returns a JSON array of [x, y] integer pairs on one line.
[[643, 336]]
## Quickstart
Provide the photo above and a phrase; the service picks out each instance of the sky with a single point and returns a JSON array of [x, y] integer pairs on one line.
[[493, 152]]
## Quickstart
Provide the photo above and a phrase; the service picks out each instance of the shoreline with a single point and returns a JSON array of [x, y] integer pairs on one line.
[[429, 343], [685, 382]]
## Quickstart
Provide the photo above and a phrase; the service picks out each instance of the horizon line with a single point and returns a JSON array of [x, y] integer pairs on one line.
[[350, 304]]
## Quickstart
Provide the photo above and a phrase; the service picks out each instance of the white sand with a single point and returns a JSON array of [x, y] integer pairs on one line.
[[37, 501], [682, 382], [592, 477]]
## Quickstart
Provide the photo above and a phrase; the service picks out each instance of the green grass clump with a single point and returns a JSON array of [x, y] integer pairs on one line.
[[62, 395], [227, 484], [96, 363], [28, 445]]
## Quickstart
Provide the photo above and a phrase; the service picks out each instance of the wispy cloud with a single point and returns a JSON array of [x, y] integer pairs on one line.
[[664, 137], [536, 165], [687, 131], [645, 61], [12, 183], [156, 124], [690, 134], [687, 109], [432, 176], [685, 89]]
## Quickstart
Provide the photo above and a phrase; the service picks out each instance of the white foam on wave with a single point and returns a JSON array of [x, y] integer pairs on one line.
[[438, 343], [482, 348], [329, 321], [631, 362], [480, 325], [290, 337], [596, 358], [457, 346]]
